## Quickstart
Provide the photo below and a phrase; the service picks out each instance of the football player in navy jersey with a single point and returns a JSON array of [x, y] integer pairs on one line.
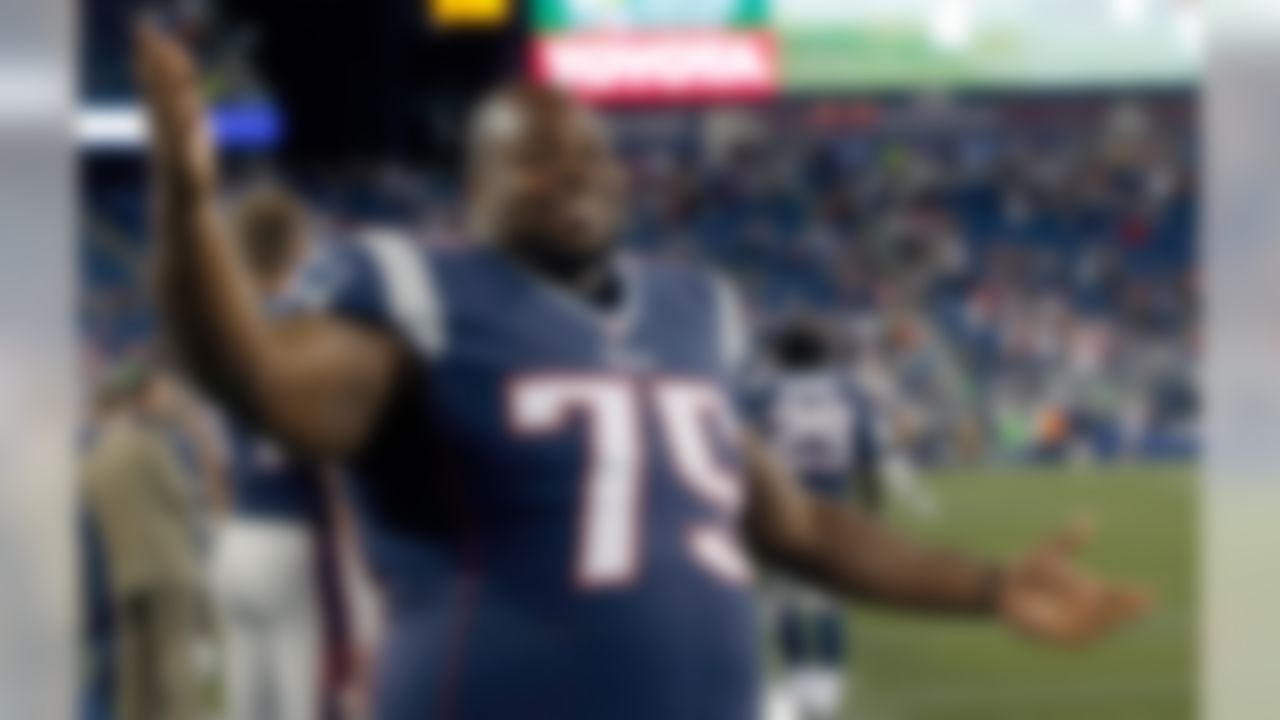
[[824, 430], [275, 569], [551, 482]]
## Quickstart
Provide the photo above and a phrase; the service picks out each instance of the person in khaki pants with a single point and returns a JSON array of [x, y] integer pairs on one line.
[[140, 499]]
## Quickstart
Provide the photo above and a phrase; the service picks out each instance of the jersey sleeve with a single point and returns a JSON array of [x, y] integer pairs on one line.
[[379, 279]]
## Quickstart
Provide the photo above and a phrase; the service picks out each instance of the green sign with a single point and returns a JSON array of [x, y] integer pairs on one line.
[[562, 15], [905, 56]]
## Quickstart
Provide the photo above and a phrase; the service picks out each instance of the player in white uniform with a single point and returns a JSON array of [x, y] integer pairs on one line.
[[825, 430], [275, 570]]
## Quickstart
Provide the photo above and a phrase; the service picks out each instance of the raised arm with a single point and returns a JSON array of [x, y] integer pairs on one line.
[[315, 382], [847, 552]]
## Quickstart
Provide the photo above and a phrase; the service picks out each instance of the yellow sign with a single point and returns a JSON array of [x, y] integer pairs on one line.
[[469, 13]]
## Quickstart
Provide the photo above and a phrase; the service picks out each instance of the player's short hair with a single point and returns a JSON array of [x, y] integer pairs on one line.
[[269, 225]]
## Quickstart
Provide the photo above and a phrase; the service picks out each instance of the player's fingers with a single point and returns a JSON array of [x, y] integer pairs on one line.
[[1073, 629], [1041, 620], [179, 68], [149, 71], [1122, 604], [167, 75], [144, 52], [150, 64], [1112, 608], [162, 64]]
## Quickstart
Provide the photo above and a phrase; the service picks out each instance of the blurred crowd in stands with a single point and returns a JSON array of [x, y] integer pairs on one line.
[[1013, 280]]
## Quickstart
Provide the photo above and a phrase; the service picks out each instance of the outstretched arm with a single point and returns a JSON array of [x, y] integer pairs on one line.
[[314, 382], [846, 551]]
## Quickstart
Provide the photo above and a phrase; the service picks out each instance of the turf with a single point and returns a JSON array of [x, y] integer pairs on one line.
[[913, 669]]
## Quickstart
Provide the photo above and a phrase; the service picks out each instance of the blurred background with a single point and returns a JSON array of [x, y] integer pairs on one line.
[[991, 203]]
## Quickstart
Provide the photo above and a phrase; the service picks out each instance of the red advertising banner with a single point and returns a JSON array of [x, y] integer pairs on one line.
[[660, 67]]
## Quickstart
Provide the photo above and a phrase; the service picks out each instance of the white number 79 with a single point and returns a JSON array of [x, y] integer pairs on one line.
[[609, 541]]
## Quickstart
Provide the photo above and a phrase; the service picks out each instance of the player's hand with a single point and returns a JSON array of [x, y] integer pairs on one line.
[[1046, 596], [180, 140]]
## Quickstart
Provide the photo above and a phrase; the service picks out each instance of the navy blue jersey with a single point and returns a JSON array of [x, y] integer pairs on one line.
[[822, 428], [552, 501], [267, 484]]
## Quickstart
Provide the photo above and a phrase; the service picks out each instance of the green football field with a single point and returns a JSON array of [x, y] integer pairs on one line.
[[921, 669]]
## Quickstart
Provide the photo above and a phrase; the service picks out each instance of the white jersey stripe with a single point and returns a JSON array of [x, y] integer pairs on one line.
[[734, 338], [410, 287]]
